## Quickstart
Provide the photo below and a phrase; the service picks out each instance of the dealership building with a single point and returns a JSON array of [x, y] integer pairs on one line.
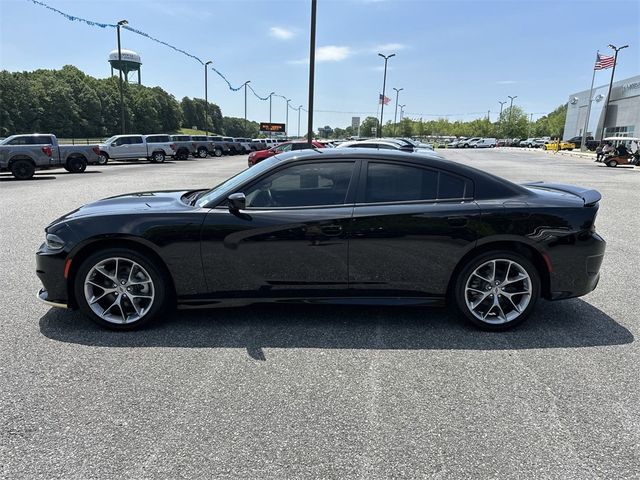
[[623, 118]]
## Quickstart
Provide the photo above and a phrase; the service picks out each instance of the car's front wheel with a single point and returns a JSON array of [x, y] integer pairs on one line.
[[120, 289], [497, 290]]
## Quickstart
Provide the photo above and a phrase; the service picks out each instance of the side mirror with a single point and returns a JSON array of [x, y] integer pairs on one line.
[[237, 202]]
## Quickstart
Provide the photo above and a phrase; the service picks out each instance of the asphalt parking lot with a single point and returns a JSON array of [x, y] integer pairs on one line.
[[319, 392]]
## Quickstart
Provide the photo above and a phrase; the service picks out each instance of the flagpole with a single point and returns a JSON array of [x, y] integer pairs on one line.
[[583, 145], [613, 71]]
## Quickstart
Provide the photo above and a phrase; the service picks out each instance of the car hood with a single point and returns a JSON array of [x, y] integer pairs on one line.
[[131, 203]]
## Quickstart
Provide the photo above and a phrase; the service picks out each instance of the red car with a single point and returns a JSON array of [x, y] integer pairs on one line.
[[255, 157]]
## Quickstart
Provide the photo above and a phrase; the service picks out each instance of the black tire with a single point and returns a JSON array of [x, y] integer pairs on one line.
[[466, 275], [612, 163], [182, 154], [76, 165], [159, 286], [544, 147], [157, 157], [217, 152], [104, 159], [202, 152], [23, 169]]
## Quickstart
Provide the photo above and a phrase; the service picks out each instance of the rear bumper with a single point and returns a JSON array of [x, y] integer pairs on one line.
[[576, 270]]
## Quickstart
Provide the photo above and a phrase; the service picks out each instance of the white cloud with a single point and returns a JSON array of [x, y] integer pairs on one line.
[[281, 33], [506, 82], [332, 53], [389, 47], [328, 53]]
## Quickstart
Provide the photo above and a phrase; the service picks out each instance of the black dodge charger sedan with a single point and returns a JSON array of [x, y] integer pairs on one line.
[[360, 226]]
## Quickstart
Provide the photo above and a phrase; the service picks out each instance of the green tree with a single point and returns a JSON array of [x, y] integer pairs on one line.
[[366, 126]]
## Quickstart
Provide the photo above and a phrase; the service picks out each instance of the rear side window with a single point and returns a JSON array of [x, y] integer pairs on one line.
[[158, 139], [134, 140], [402, 183]]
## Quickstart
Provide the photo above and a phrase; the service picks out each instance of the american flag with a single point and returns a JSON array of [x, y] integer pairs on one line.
[[603, 62], [384, 99]]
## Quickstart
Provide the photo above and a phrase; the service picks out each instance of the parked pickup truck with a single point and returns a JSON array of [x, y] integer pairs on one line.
[[223, 145], [184, 146], [23, 154], [154, 148], [590, 142], [206, 146]]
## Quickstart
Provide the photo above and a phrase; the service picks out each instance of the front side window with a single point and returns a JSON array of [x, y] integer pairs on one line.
[[403, 183], [303, 185]]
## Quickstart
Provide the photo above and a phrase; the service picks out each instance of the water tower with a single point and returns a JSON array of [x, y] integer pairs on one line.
[[130, 63]]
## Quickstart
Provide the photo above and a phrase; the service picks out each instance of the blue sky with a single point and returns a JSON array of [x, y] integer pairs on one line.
[[455, 58]]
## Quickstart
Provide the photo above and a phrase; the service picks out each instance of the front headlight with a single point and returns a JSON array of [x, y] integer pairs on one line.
[[54, 242]]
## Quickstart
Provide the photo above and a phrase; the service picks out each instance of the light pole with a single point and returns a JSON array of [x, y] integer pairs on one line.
[[384, 85], [245, 105], [120, 24], [286, 123], [299, 107], [511, 109], [206, 99], [270, 95], [501, 105], [401, 111], [613, 71], [312, 70], [395, 115]]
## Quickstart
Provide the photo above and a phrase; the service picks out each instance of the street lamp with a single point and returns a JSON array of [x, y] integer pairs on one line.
[[206, 99], [245, 105], [299, 107], [613, 71], [270, 95], [511, 107], [384, 84], [500, 116], [395, 115], [401, 111], [120, 24], [286, 123]]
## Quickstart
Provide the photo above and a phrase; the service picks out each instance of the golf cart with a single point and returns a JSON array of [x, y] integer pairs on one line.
[[631, 158]]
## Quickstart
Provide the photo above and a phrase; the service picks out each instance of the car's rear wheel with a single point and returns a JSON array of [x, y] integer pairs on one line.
[[120, 289], [497, 290], [157, 157], [22, 169], [202, 152], [76, 165], [612, 163]]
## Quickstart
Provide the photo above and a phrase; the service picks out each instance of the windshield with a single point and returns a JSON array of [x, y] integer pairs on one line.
[[7, 140], [110, 139], [235, 181]]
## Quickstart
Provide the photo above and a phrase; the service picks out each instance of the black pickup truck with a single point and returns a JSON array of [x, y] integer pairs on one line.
[[590, 142]]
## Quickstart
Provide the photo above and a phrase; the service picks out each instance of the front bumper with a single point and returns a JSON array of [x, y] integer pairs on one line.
[[43, 296], [50, 269]]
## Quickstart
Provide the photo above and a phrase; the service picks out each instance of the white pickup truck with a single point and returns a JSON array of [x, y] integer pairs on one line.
[[23, 154], [154, 148]]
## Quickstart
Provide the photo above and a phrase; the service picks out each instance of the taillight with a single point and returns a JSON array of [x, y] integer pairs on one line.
[[173, 147], [47, 150], [96, 150]]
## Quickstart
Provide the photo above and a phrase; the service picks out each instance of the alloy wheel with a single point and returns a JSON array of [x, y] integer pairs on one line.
[[498, 291], [119, 290]]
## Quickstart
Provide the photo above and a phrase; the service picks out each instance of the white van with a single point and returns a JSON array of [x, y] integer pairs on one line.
[[486, 143]]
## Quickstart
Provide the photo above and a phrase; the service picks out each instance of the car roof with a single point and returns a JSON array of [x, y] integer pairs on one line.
[[623, 138]]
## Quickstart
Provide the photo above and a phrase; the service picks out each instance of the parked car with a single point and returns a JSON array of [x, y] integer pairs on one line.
[[184, 146], [468, 143], [221, 145], [333, 226], [414, 143], [553, 145], [22, 155], [454, 143], [235, 147], [133, 147], [204, 147], [384, 144], [533, 142], [256, 157], [486, 143], [590, 142], [246, 144]]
